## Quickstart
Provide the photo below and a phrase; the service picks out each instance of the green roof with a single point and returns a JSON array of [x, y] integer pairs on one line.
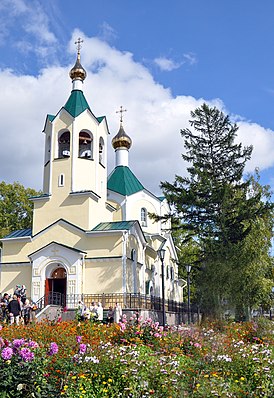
[[50, 117], [100, 118], [76, 104], [114, 226], [123, 181]]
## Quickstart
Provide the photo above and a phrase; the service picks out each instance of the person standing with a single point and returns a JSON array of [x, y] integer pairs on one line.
[[14, 309], [100, 313], [110, 315], [117, 313], [4, 308]]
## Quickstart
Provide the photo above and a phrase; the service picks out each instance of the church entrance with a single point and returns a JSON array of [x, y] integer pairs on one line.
[[56, 287]]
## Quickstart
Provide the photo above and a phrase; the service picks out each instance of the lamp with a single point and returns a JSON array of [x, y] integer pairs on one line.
[[161, 254], [188, 269]]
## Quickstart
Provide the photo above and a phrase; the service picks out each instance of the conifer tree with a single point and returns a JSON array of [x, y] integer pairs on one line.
[[216, 207]]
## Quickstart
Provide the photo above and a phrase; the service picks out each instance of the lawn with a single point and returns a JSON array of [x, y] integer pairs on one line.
[[137, 359]]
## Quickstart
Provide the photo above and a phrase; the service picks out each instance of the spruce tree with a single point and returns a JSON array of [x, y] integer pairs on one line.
[[215, 206]]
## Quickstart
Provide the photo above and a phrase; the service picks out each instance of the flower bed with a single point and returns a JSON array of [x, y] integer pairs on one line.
[[137, 359]]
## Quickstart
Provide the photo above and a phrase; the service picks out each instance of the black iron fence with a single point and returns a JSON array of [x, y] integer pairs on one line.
[[127, 301]]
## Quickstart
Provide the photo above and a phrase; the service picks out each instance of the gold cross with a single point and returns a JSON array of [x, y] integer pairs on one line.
[[78, 43], [121, 113]]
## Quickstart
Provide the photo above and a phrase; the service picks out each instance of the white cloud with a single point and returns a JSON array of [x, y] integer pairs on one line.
[[153, 119], [166, 64], [27, 20], [190, 58]]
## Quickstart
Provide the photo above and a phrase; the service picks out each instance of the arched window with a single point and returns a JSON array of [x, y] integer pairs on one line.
[[167, 272], [101, 151], [172, 273], [85, 145], [133, 255], [64, 145], [143, 217]]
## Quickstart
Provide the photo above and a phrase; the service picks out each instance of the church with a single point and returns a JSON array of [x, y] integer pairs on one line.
[[91, 232]]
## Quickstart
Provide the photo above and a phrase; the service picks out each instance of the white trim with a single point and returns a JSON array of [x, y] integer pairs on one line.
[[124, 262], [19, 238]]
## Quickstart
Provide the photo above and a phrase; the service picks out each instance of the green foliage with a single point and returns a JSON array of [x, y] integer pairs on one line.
[[223, 223], [15, 207]]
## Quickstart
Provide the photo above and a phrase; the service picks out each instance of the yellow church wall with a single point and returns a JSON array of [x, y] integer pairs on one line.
[[94, 246], [46, 178], [116, 215], [103, 277], [132, 243], [12, 276], [135, 214]]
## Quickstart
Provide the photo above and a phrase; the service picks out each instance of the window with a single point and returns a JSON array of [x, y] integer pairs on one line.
[[85, 145], [167, 272], [61, 180], [143, 217], [172, 273], [64, 145], [101, 151], [133, 255]]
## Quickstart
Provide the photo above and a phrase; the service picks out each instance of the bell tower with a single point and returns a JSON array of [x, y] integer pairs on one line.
[[75, 162]]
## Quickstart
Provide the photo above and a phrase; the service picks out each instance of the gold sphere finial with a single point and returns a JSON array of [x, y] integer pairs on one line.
[[121, 139], [78, 72]]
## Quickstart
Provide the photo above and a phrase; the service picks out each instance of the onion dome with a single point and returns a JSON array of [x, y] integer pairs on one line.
[[121, 139], [78, 72]]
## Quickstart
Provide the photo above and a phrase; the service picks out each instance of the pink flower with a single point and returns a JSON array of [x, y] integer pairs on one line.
[[82, 348], [26, 354], [78, 339], [53, 349], [6, 353]]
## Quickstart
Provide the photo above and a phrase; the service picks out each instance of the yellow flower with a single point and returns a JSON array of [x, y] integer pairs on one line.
[[236, 381], [242, 378], [73, 377], [198, 385], [110, 380], [105, 390], [206, 375], [65, 388], [104, 382], [95, 375], [83, 376]]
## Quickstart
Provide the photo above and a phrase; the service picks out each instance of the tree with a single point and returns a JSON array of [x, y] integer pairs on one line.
[[15, 207], [223, 213]]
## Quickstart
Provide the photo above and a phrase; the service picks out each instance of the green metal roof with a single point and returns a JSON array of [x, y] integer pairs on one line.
[[114, 226], [50, 117], [123, 181], [19, 233], [161, 198], [100, 118], [76, 104]]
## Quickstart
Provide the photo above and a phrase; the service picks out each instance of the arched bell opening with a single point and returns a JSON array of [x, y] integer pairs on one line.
[[85, 145]]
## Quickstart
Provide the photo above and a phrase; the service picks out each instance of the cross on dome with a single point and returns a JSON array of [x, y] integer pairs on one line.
[[121, 113], [78, 42]]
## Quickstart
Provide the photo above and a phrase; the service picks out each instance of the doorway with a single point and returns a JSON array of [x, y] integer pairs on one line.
[[56, 287]]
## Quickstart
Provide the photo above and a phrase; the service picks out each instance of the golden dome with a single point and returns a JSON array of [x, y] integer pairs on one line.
[[121, 139], [78, 72]]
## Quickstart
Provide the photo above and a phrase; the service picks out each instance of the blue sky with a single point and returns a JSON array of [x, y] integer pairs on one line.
[[160, 59]]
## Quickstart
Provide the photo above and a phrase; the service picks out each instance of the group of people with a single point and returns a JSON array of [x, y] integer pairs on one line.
[[96, 312], [17, 309]]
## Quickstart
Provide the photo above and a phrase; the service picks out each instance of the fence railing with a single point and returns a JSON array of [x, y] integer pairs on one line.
[[135, 301]]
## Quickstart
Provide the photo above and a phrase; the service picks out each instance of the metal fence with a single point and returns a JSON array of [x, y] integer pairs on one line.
[[134, 301]]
